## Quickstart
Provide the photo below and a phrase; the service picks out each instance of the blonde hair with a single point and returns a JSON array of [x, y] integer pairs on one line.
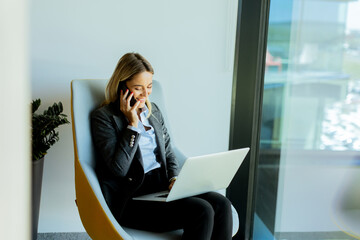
[[127, 67]]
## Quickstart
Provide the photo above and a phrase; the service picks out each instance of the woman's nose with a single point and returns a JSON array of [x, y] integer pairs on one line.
[[144, 93]]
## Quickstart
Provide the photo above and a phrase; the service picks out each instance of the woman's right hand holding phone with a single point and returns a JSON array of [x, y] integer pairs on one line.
[[130, 112]]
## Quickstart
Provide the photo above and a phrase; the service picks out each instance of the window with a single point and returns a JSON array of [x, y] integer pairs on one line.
[[310, 128]]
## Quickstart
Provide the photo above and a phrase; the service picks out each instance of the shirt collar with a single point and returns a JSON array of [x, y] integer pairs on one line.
[[144, 111]]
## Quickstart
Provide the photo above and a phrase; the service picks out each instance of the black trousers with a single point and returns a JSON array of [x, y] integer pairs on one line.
[[203, 217]]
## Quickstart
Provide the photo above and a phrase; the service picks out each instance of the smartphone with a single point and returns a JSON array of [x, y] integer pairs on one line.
[[123, 87]]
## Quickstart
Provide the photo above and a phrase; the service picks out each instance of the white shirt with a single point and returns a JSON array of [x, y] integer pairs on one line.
[[147, 142]]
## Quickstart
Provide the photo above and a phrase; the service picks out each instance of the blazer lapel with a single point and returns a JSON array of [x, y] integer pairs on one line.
[[119, 121], [159, 136]]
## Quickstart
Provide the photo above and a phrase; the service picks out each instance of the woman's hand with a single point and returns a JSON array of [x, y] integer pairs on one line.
[[172, 183], [129, 112]]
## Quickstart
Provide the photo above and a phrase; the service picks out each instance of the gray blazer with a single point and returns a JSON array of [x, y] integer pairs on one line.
[[119, 161]]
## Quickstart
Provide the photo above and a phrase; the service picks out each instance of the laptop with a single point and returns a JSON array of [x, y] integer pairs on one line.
[[202, 174]]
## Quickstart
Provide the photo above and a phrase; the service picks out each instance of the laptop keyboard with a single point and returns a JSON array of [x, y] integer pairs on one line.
[[163, 196]]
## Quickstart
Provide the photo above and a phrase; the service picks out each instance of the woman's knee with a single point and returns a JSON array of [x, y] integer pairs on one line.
[[207, 211], [199, 209], [225, 204], [203, 207], [219, 202]]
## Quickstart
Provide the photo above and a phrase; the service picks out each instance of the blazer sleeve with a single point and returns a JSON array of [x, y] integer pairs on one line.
[[115, 146], [171, 162]]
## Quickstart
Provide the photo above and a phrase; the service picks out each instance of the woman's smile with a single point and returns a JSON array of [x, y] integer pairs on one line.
[[141, 86]]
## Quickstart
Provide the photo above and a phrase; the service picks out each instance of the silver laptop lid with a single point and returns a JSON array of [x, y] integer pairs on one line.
[[207, 173]]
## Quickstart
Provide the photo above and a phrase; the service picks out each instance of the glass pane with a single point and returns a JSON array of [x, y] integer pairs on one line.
[[308, 177]]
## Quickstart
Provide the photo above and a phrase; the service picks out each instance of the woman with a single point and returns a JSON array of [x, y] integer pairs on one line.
[[135, 157]]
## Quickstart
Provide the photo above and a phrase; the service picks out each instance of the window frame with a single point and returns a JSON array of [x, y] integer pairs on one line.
[[246, 106]]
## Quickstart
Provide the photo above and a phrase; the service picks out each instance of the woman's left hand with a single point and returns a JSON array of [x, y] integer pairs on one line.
[[171, 184]]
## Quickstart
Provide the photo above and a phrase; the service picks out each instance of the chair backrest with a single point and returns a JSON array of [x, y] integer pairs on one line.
[[95, 215], [87, 95]]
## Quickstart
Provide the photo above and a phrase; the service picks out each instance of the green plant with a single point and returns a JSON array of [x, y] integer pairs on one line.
[[43, 128]]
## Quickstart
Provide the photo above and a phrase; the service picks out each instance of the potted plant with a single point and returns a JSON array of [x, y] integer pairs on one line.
[[43, 137]]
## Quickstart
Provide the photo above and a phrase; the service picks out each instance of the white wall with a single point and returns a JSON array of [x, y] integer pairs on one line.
[[15, 122], [190, 45]]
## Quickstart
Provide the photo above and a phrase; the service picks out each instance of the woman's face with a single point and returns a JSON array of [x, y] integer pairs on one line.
[[141, 86]]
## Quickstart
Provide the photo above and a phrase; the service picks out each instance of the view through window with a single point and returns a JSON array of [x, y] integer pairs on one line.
[[308, 175]]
